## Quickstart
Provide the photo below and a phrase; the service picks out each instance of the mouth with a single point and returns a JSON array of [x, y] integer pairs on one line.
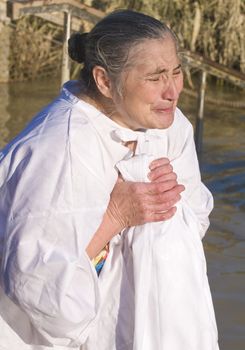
[[163, 109]]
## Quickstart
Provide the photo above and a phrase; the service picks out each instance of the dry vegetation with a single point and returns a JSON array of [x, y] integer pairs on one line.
[[213, 28], [35, 49]]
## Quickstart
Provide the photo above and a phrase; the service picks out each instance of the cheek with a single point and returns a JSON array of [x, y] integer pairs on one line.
[[140, 99], [148, 95], [140, 96], [180, 83]]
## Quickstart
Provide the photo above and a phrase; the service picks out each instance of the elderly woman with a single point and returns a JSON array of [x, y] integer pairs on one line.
[[69, 203]]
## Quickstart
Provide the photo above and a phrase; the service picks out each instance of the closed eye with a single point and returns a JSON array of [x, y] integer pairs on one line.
[[154, 79], [177, 72]]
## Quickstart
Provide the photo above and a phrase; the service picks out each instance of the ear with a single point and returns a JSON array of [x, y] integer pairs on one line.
[[102, 81]]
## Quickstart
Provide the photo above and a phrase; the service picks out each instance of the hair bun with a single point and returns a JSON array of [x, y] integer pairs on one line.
[[77, 46]]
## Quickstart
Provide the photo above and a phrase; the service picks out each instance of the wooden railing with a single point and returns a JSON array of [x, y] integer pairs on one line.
[[67, 9], [207, 66], [17, 9]]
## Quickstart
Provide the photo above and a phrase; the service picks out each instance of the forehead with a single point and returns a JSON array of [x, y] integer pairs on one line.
[[154, 54]]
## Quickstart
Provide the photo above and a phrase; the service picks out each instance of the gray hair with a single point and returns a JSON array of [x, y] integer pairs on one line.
[[110, 42]]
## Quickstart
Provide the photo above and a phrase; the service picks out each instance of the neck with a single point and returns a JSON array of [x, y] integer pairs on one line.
[[103, 104]]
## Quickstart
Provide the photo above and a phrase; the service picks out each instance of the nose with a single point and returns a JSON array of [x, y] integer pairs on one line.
[[172, 88]]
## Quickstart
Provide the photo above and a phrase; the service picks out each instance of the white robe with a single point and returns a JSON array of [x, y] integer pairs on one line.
[[173, 305], [55, 183]]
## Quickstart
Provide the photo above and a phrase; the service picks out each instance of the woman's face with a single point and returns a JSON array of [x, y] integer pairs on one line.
[[151, 87]]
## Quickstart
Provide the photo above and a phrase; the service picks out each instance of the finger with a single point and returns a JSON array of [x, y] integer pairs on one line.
[[160, 187], [159, 171], [162, 206], [153, 191], [162, 175], [166, 177], [158, 162], [156, 217], [172, 196]]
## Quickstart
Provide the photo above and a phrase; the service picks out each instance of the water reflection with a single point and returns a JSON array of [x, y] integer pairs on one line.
[[26, 99], [224, 172], [223, 169]]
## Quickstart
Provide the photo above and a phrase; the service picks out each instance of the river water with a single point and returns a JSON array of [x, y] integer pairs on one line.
[[223, 171]]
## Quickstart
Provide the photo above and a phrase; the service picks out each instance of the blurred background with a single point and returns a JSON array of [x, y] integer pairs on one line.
[[34, 63]]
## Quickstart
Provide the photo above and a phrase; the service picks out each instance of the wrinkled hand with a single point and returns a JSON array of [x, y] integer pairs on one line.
[[161, 170], [136, 203]]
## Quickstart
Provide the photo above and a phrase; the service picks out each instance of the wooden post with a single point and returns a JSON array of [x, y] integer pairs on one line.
[[65, 69], [4, 113], [5, 39], [199, 121]]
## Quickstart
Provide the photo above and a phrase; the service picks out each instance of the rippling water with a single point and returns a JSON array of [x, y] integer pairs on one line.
[[223, 170]]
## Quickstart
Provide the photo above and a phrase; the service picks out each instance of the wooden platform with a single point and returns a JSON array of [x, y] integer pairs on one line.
[[53, 10]]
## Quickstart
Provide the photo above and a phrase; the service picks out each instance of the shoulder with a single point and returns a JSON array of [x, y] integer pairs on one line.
[[43, 149], [51, 130], [46, 167], [181, 122], [179, 135], [180, 129]]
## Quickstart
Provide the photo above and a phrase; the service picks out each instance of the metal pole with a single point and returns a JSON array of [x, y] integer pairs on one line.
[[200, 115], [65, 69]]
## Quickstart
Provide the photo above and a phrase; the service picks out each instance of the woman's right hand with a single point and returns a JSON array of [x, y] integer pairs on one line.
[[136, 203]]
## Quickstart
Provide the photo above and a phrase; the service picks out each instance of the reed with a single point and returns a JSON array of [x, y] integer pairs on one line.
[[213, 28], [35, 49]]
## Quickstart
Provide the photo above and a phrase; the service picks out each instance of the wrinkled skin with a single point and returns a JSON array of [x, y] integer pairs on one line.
[[136, 203]]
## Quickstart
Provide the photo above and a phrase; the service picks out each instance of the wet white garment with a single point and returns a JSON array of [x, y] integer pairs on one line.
[[173, 305], [55, 183]]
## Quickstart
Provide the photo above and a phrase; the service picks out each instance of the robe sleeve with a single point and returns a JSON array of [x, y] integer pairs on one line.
[[186, 166], [56, 199]]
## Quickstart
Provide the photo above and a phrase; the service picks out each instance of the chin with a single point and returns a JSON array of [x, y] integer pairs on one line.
[[163, 124], [162, 121]]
